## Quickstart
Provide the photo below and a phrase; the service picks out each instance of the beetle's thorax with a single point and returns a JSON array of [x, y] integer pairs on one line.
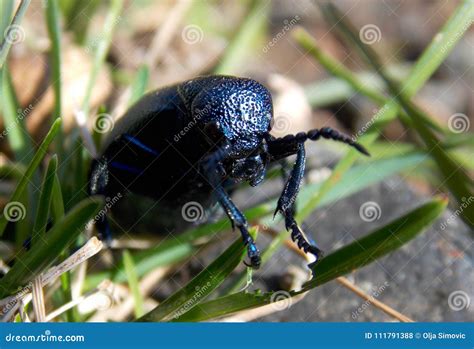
[[240, 109]]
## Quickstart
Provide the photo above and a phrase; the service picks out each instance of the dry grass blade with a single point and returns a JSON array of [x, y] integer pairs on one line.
[[38, 300], [378, 304]]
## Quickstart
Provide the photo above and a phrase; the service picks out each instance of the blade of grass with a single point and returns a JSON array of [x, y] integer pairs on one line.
[[59, 238], [52, 21], [377, 244], [139, 84], [132, 279], [105, 39], [42, 213], [336, 68], [439, 48], [238, 48], [37, 158], [6, 44], [15, 129], [455, 177], [350, 257], [201, 286], [6, 15], [78, 15]]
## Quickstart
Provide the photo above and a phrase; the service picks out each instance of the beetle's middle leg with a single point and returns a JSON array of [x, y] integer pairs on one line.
[[286, 204]]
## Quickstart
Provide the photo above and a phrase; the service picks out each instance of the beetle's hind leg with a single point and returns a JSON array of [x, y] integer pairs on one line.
[[286, 205]]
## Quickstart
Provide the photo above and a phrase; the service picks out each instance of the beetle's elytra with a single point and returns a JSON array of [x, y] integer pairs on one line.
[[180, 143]]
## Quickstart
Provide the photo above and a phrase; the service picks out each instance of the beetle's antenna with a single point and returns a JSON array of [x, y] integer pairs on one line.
[[314, 135]]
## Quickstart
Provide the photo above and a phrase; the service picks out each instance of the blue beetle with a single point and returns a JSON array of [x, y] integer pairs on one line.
[[182, 142]]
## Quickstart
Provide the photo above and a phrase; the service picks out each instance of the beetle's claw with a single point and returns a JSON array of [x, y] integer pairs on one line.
[[254, 256]]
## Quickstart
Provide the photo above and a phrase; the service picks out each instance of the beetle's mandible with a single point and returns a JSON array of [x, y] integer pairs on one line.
[[183, 142]]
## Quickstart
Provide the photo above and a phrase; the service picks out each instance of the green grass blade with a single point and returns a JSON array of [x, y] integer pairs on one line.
[[15, 129], [350, 257], [139, 84], [307, 42], [52, 21], [132, 279], [41, 256], [57, 204], [42, 214], [6, 44], [238, 48], [440, 47], [454, 175], [377, 244], [37, 158], [201, 286], [105, 39], [6, 14]]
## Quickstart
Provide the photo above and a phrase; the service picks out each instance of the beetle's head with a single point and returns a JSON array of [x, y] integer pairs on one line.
[[235, 111], [251, 168]]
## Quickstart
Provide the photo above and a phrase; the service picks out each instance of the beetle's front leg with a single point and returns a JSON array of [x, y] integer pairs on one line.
[[286, 204], [211, 167]]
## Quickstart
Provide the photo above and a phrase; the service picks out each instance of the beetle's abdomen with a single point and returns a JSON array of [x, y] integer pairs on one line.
[[154, 149]]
